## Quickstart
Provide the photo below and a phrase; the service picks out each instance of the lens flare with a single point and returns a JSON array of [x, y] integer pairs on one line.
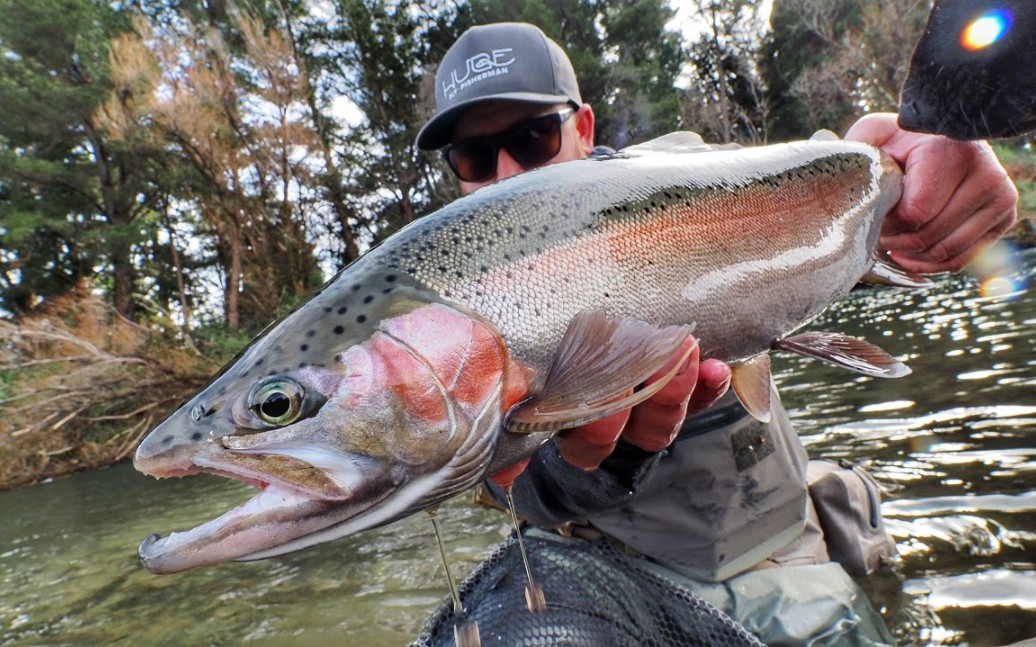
[[1000, 287], [999, 272], [986, 29]]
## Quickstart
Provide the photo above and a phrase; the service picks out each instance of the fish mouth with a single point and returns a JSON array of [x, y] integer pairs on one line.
[[294, 501]]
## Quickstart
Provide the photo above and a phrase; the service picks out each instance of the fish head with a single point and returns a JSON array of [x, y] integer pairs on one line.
[[351, 412]]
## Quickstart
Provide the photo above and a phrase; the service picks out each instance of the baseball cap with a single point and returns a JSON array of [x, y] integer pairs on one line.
[[507, 61]]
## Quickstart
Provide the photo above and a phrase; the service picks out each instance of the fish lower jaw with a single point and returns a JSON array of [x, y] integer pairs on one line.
[[235, 534]]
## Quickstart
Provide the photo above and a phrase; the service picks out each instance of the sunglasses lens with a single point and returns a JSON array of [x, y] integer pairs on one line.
[[472, 161], [530, 144], [536, 142]]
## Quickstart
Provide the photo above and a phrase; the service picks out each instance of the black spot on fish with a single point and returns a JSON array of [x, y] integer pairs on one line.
[[222, 390], [338, 357], [304, 347], [361, 319], [387, 290], [196, 436], [391, 278], [338, 330], [311, 333], [244, 374], [259, 362], [368, 298], [303, 365], [343, 310], [355, 287], [167, 440]]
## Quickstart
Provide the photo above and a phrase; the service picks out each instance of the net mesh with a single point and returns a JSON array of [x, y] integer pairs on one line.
[[595, 595]]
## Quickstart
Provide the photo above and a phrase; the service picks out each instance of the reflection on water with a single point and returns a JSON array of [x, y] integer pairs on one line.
[[952, 443]]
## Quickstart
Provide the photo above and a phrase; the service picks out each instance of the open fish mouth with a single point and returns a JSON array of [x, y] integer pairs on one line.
[[294, 499]]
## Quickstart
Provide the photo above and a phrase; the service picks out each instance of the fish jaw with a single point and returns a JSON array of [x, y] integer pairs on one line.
[[294, 499]]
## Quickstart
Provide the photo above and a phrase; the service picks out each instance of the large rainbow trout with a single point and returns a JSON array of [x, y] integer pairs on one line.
[[466, 340]]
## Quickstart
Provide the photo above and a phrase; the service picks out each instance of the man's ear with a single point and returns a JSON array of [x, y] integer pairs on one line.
[[584, 118]]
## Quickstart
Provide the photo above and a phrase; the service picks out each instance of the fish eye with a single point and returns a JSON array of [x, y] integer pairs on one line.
[[277, 402]]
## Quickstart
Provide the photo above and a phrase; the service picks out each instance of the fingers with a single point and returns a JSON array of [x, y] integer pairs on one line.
[[655, 422], [940, 233], [713, 382], [957, 198], [586, 446]]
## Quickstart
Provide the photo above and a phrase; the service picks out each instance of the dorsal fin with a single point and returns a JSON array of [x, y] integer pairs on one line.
[[681, 141], [825, 135]]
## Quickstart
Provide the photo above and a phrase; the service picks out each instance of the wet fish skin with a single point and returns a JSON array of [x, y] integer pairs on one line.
[[397, 377]]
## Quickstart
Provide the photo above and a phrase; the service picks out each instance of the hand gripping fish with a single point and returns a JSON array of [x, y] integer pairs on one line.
[[465, 341]]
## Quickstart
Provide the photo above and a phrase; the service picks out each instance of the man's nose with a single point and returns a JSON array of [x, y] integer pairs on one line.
[[506, 166]]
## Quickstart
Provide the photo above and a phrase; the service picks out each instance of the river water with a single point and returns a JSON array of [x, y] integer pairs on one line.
[[952, 443]]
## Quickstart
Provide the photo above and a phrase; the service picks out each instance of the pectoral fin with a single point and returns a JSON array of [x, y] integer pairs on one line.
[[848, 352], [885, 271], [600, 359], [751, 383]]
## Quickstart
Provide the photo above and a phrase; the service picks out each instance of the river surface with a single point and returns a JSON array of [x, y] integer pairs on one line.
[[952, 443]]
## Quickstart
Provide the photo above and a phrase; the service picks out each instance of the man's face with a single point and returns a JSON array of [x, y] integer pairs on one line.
[[495, 117]]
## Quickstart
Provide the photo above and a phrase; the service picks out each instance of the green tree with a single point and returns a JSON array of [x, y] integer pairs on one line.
[[626, 61], [643, 60], [726, 99], [240, 122], [828, 61], [72, 202]]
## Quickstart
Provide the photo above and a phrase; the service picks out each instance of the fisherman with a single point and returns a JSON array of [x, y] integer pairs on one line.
[[710, 502]]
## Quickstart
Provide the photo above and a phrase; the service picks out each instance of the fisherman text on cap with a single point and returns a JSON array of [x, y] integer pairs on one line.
[[502, 61]]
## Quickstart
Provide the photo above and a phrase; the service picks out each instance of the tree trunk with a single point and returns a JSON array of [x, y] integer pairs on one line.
[[234, 273]]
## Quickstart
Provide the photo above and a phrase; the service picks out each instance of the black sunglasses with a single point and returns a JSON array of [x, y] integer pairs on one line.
[[530, 143]]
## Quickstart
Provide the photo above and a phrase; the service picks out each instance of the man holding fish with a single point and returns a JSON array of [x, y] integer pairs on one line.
[[526, 320], [717, 497]]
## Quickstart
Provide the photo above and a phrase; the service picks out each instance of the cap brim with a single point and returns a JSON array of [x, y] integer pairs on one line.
[[437, 132]]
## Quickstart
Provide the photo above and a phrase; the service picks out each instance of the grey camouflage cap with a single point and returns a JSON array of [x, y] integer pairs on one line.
[[504, 61]]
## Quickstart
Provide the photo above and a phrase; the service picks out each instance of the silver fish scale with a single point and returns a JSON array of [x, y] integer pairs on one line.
[[531, 252]]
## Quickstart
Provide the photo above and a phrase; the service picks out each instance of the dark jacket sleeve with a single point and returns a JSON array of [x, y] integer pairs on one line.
[[551, 491]]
